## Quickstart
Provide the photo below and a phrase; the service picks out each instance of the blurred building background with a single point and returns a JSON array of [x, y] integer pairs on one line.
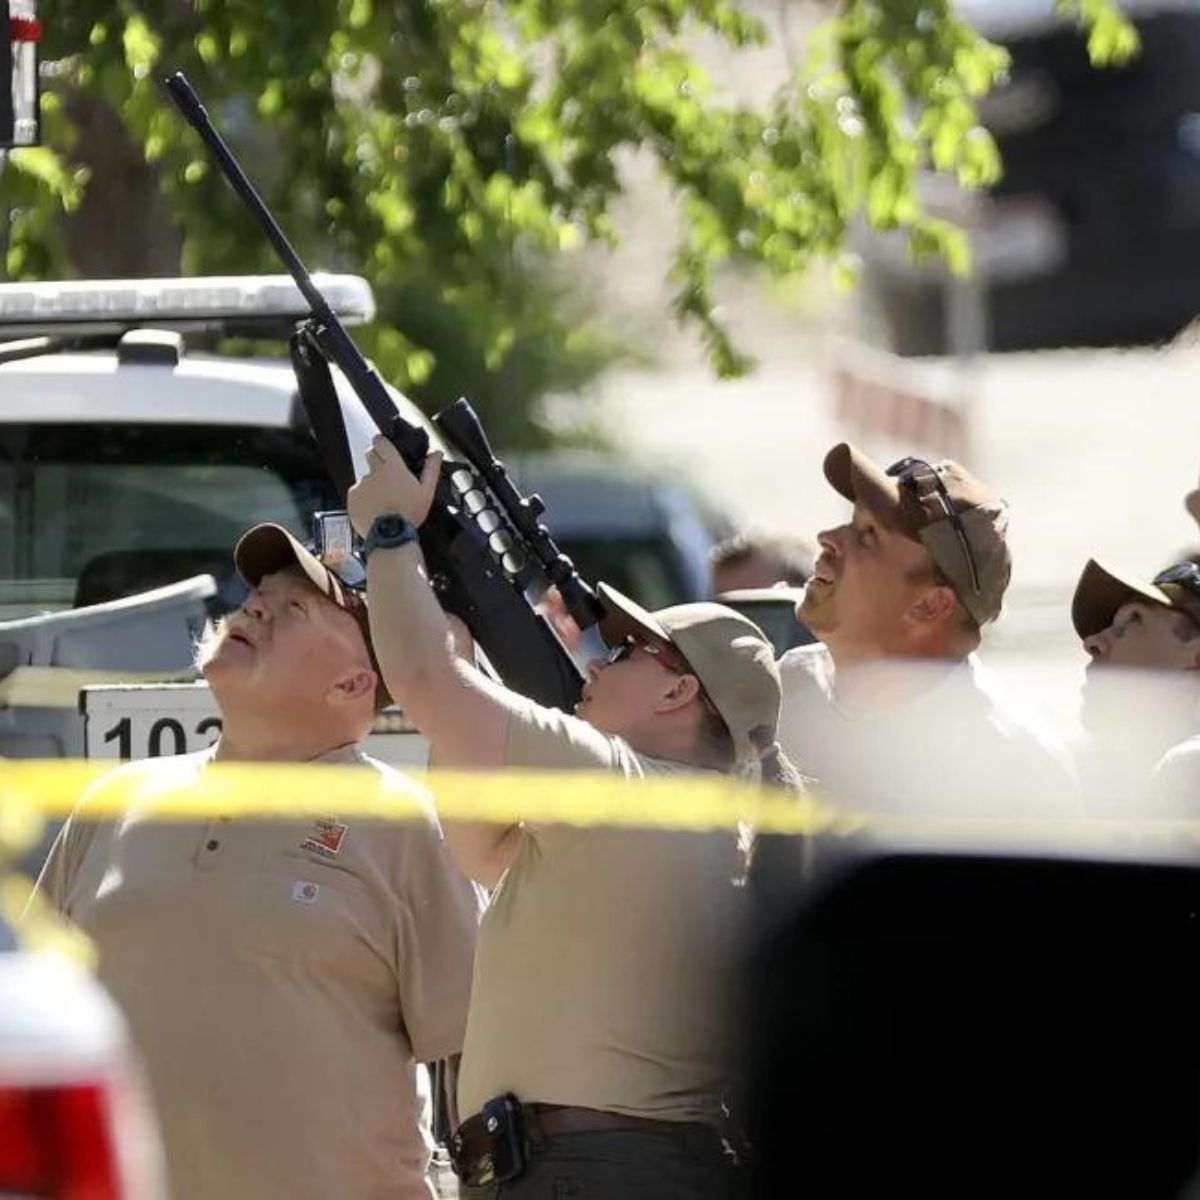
[[1095, 448]]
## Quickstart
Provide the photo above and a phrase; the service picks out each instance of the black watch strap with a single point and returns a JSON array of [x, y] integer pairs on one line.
[[388, 531]]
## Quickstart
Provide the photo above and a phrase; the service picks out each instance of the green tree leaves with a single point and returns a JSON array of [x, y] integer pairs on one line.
[[454, 150]]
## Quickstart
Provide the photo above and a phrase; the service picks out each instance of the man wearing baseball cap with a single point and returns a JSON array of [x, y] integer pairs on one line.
[[597, 1058], [891, 711], [1142, 688], [282, 980]]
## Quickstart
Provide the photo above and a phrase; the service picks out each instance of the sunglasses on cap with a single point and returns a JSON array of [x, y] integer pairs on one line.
[[1185, 574], [926, 483]]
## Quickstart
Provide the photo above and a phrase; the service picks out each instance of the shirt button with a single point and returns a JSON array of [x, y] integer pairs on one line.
[[211, 844]]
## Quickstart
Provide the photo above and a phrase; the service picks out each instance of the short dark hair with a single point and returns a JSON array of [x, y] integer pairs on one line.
[[715, 737], [1185, 629], [941, 579], [793, 555]]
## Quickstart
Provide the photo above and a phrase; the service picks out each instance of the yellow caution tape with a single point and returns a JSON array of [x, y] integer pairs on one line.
[[52, 788], [34, 790]]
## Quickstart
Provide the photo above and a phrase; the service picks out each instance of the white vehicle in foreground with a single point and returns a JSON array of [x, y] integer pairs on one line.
[[75, 1117]]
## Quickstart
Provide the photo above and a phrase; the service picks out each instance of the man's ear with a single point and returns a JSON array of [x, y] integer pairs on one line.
[[681, 692], [352, 687], [933, 605]]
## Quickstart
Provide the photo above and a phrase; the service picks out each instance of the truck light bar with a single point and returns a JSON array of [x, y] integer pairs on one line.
[[198, 300]]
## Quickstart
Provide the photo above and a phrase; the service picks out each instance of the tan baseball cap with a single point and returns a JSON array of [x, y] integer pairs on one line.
[[728, 653], [1100, 592], [981, 528], [267, 548]]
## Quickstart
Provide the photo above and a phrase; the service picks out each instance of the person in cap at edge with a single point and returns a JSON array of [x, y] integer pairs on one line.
[[282, 979], [1141, 692], [892, 711], [605, 955]]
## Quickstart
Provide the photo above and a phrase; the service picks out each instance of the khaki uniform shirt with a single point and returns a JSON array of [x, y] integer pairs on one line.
[[606, 956], [281, 981]]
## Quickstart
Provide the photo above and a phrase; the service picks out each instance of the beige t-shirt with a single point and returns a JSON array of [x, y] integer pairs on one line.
[[607, 957], [957, 747], [281, 981]]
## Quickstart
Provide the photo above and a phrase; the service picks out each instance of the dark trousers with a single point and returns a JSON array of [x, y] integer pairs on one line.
[[688, 1163]]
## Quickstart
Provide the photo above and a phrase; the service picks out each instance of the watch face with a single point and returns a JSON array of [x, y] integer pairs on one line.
[[390, 527]]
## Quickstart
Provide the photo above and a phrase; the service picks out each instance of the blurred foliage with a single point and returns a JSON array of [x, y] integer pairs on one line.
[[1111, 39], [450, 149]]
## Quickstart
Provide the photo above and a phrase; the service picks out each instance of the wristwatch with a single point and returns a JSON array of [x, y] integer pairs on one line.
[[388, 531]]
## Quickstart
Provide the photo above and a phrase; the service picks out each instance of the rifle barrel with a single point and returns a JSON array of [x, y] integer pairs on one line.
[[196, 115]]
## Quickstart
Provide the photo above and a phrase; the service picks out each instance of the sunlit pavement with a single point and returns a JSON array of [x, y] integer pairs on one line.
[[1094, 450]]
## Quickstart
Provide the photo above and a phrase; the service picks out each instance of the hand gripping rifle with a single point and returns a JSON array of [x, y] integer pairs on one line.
[[489, 556]]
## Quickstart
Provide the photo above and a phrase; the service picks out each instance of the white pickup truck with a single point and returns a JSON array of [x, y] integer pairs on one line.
[[132, 455], [129, 464]]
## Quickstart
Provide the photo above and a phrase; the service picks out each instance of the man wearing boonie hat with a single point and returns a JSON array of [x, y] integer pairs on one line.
[[598, 1019], [1142, 688], [891, 711], [282, 980]]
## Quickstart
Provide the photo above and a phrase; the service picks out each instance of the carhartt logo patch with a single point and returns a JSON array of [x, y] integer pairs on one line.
[[305, 892], [326, 838]]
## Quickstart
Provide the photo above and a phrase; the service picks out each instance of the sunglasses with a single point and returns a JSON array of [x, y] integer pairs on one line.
[[621, 651], [926, 483], [1185, 574], [671, 659]]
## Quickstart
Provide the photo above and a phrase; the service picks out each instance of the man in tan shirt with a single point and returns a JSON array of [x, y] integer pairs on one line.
[[281, 980], [597, 1059]]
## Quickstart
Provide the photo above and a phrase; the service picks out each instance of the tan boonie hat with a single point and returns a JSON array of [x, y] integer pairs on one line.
[[728, 653], [267, 548], [1100, 593], [978, 537]]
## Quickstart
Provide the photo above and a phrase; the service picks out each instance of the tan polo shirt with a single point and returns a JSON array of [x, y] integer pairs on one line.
[[606, 957], [281, 981]]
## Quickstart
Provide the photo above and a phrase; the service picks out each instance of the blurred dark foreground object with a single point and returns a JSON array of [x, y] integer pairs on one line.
[[975, 1026]]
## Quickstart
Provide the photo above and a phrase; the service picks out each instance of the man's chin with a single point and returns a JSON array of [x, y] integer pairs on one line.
[[213, 671], [222, 662], [586, 710], [815, 614]]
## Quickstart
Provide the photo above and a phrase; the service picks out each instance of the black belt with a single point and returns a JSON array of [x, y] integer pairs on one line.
[[493, 1145]]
